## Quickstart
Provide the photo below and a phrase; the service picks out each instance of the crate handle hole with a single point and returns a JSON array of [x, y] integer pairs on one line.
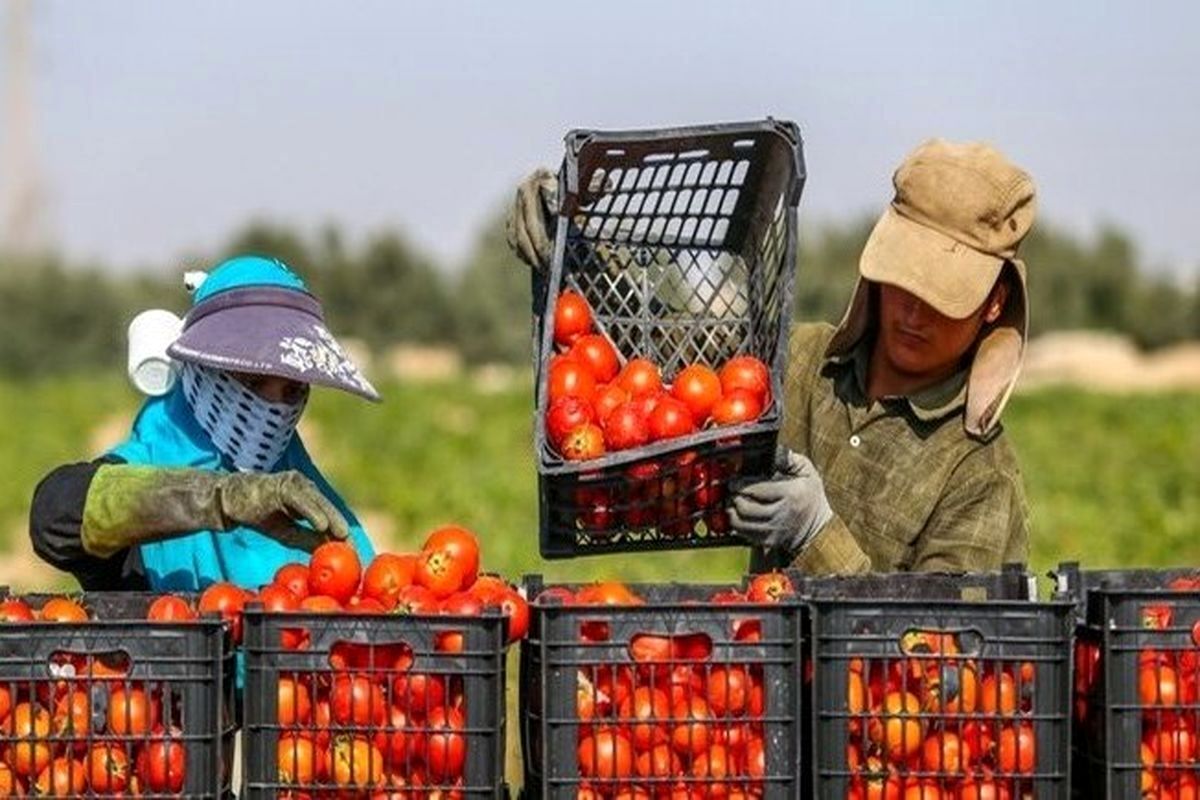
[[652, 648], [372, 656], [105, 665], [942, 642]]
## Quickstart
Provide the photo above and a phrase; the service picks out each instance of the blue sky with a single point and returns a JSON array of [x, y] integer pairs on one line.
[[164, 125]]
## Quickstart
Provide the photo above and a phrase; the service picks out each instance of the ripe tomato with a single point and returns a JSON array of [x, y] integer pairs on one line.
[[107, 768], [646, 703], [15, 611], [998, 695], [294, 578], [295, 703], [640, 378], [770, 587], [73, 715], [746, 373], [130, 712], [386, 575], [64, 777], [898, 729], [32, 724], [605, 754], [393, 740], [1017, 749], [418, 692], [355, 762], [61, 609], [280, 600], [355, 700], [983, 788], [699, 388], [565, 415], [170, 608], [228, 600], [516, 610], [756, 757], [607, 399], [659, 761], [296, 756], [334, 570], [572, 318], [163, 764], [945, 753], [713, 764], [445, 749], [626, 428], [670, 418], [583, 443], [461, 604], [320, 604], [647, 403], [416, 599], [594, 352], [490, 590], [569, 378], [692, 725], [916, 789], [736, 407], [460, 543], [1174, 744], [728, 691], [440, 573], [607, 593], [1157, 685]]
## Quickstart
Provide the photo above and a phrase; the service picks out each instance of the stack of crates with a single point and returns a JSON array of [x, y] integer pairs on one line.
[[115, 706], [1137, 681]]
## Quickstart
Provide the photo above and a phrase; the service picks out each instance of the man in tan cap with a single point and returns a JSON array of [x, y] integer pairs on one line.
[[892, 455]]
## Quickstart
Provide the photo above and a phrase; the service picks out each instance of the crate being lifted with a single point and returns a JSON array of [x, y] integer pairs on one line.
[[682, 242]]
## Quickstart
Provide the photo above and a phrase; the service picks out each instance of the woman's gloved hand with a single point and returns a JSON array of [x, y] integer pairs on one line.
[[785, 512], [131, 504], [531, 217]]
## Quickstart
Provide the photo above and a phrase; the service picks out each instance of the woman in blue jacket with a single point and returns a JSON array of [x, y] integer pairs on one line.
[[213, 483]]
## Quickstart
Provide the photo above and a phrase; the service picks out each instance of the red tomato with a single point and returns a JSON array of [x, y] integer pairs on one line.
[[699, 388], [107, 767], [15, 611], [770, 587], [714, 765], [983, 788], [394, 741], [295, 703], [594, 352], [490, 590], [1157, 685], [228, 600], [640, 378], [64, 777], [648, 402], [605, 754], [163, 765], [459, 543], [280, 600], [355, 761], [293, 577], [170, 608], [445, 750], [626, 428], [60, 609], [736, 407], [416, 599], [31, 723], [670, 418], [517, 611], [355, 700], [692, 724], [756, 757], [1017, 749], [646, 703], [565, 415], [73, 715], [131, 713], [746, 373], [945, 753], [463, 604], [728, 691], [583, 443], [659, 761], [334, 570], [417, 692], [386, 575], [572, 318], [899, 730], [607, 399], [320, 604], [440, 572], [296, 756], [570, 378], [607, 593]]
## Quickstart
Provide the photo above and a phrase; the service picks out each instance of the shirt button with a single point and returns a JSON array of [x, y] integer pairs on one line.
[[855, 441]]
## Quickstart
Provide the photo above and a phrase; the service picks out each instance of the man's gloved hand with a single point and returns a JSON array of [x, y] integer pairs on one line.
[[530, 219], [130, 504], [785, 512]]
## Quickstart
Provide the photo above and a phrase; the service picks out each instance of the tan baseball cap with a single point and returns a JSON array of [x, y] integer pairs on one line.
[[959, 213]]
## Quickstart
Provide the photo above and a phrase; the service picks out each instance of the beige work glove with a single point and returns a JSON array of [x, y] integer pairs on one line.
[[529, 226]]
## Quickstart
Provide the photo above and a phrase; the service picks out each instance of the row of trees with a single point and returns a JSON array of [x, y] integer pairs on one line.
[[58, 317]]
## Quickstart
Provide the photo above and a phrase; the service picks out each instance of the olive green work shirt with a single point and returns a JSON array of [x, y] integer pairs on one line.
[[910, 489]]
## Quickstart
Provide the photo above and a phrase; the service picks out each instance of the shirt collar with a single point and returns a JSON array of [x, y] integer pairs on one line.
[[931, 403]]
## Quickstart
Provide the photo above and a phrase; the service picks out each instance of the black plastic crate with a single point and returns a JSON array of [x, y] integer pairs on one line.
[[1137, 681], [908, 668], [400, 689], [155, 699], [683, 242], [606, 656]]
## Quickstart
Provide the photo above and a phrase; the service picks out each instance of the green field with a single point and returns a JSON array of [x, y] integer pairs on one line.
[[1112, 480]]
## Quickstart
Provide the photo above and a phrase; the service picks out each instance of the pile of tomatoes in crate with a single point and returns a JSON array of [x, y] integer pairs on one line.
[[596, 405], [90, 728], [940, 724], [673, 723]]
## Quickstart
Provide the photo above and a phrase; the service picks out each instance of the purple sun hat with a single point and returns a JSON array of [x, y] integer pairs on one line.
[[253, 314]]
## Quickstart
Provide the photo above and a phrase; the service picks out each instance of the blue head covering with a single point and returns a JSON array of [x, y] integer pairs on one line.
[[167, 434]]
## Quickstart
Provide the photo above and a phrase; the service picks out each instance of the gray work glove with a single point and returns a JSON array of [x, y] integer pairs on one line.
[[128, 504], [785, 512], [530, 223]]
